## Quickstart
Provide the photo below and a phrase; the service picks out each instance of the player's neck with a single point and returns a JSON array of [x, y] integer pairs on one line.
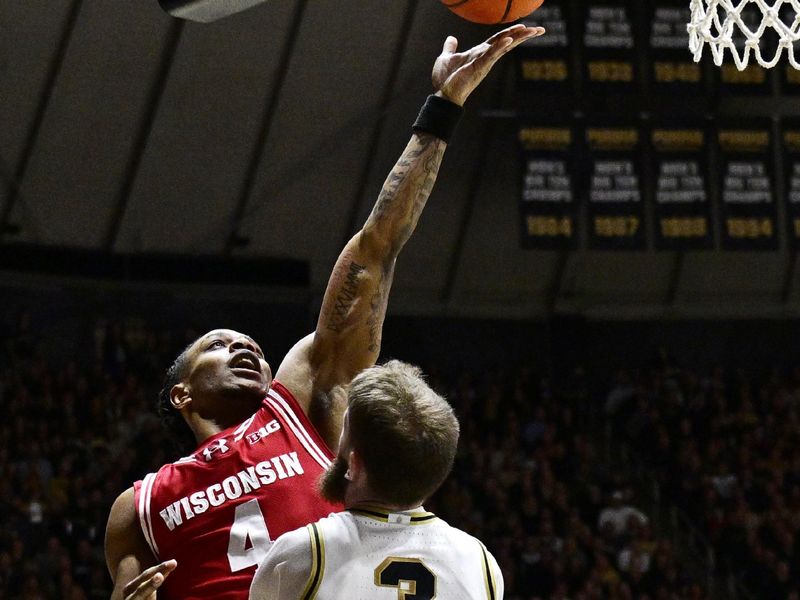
[[364, 498], [387, 506], [205, 428]]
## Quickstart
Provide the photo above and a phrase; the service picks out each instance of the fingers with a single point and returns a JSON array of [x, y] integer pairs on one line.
[[450, 45], [488, 54], [525, 33], [148, 581], [513, 38], [493, 54], [457, 75], [534, 32], [147, 588], [515, 32], [505, 32], [164, 568]]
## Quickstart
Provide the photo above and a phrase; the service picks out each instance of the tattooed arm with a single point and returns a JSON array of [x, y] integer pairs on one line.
[[348, 334]]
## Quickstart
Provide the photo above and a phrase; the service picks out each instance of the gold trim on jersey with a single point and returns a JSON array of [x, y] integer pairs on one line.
[[488, 575], [378, 513], [317, 562]]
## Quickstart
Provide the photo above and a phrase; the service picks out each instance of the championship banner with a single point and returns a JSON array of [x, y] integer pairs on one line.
[[790, 146], [746, 186], [614, 193], [682, 214], [755, 79], [672, 69], [548, 206], [608, 47], [545, 62]]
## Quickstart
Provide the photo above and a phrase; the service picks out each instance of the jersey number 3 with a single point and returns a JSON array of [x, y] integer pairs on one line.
[[249, 540], [413, 580]]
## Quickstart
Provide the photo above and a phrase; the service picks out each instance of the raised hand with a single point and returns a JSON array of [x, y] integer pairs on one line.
[[457, 74], [145, 585]]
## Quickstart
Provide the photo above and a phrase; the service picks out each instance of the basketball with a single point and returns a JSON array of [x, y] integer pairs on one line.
[[492, 12]]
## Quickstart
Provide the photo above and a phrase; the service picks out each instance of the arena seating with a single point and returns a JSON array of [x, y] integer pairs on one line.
[[724, 448], [76, 431]]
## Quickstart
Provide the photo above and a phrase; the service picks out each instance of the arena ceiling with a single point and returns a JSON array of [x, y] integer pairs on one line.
[[269, 134]]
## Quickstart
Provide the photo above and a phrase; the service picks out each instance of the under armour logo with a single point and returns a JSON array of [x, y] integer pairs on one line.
[[220, 445]]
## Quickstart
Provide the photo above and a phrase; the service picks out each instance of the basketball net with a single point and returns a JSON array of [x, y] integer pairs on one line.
[[723, 24]]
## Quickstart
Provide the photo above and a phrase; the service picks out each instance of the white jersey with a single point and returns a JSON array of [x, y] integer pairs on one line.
[[371, 554]]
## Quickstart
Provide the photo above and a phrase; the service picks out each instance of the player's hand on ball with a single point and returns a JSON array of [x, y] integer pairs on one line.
[[145, 585], [457, 74]]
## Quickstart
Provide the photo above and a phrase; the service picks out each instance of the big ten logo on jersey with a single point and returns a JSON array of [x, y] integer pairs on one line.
[[262, 432]]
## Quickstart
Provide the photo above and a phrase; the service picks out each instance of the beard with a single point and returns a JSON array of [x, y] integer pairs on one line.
[[332, 484]]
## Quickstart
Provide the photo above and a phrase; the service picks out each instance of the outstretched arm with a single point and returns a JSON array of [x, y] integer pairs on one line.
[[348, 334]]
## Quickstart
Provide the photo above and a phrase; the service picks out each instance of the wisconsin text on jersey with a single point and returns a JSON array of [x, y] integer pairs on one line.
[[231, 488]]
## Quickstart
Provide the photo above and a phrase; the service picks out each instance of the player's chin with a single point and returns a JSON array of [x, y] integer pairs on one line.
[[250, 382]]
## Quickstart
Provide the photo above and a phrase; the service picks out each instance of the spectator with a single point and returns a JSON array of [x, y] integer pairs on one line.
[[733, 468], [619, 516]]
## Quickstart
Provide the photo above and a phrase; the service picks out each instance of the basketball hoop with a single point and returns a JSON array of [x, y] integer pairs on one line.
[[740, 26]]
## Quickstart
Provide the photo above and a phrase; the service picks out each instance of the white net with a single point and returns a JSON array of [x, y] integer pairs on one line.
[[759, 28]]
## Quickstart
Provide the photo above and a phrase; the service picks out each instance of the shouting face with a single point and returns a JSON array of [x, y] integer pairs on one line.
[[225, 367]]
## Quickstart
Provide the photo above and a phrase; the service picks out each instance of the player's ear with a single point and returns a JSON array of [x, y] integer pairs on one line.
[[355, 466], [179, 395]]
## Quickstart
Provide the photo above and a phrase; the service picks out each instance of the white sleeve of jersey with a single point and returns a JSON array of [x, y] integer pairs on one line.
[[285, 570]]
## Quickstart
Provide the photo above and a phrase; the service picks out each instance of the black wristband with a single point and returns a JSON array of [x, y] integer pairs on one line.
[[438, 117]]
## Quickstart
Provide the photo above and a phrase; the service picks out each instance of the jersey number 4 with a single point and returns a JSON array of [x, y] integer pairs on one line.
[[413, 580], [249, 540]]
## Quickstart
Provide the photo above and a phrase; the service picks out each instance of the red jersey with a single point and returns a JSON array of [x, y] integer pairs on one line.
[[217, 511]]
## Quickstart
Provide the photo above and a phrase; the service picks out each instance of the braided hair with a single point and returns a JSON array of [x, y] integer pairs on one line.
[[171, 419]]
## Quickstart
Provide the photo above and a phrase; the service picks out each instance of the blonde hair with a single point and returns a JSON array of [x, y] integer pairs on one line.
[[406, 433]]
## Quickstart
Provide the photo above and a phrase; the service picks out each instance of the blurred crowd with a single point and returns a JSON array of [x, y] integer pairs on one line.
[[725, 448], [73, 435], [529, 479], [530, 482]]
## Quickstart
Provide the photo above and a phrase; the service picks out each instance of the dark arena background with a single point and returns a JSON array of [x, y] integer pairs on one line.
[[604, 283]]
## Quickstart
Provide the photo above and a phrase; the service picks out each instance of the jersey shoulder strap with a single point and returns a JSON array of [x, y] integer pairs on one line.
[[488, 573], [142, 494], [317, 561], [282, 404]]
